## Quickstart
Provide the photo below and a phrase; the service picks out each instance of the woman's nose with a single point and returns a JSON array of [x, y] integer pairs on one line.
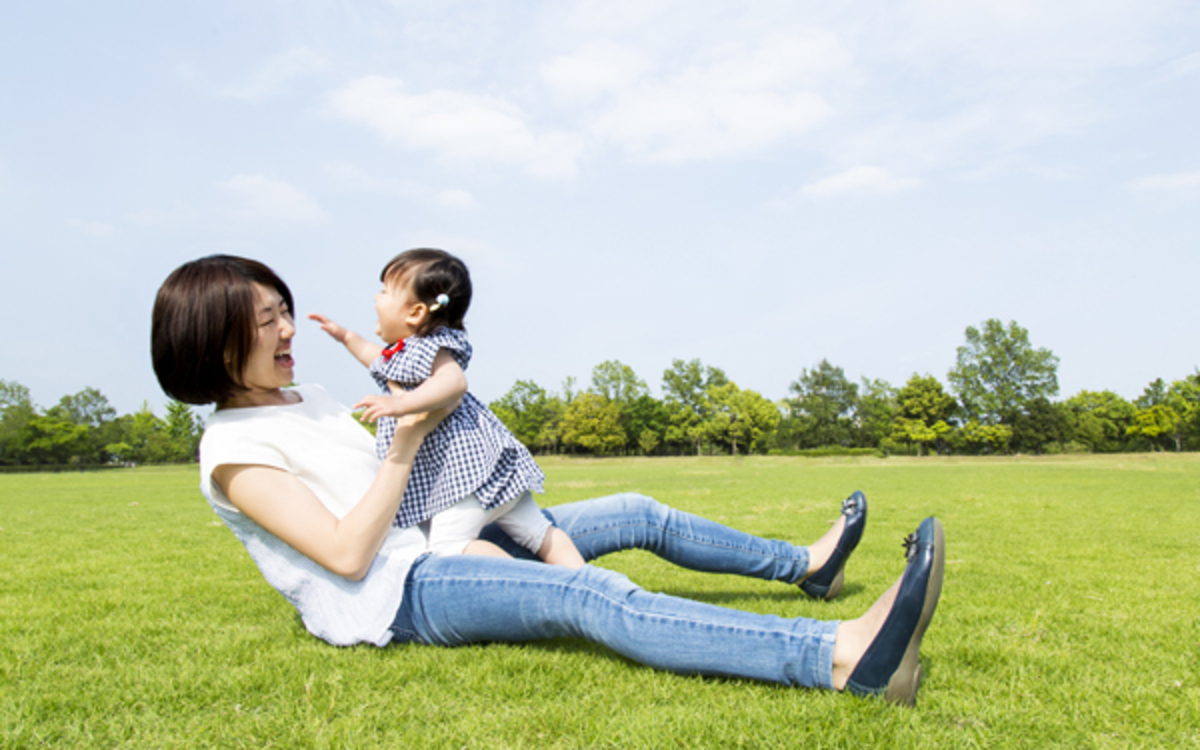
[[288, 328]]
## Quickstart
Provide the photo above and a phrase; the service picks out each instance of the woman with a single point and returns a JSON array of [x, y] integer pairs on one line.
[[297, 481]]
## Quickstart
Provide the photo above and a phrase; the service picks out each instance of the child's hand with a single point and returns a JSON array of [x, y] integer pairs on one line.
[[375, 407], [328, 326]]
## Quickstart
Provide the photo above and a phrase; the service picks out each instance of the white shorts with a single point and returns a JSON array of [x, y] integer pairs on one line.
[[455, 527]]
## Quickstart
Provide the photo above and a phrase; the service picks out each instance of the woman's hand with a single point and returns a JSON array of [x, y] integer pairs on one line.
[[417, 426]]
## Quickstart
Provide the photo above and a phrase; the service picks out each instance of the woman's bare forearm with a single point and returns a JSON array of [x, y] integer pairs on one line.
[[359, 534], [283, 505]]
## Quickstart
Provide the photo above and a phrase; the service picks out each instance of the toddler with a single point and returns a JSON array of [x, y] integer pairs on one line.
[[470, 471]]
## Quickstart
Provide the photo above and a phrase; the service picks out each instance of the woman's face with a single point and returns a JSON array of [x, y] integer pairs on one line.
[[269, 366]]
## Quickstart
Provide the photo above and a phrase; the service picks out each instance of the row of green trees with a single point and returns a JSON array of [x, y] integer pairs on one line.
[[1000, 400], [85, 429]]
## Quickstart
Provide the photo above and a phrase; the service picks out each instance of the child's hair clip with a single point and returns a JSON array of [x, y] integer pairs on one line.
[[442, 301]]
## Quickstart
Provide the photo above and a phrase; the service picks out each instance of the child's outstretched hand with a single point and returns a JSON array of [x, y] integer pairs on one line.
[[338, 332], [375, 407]]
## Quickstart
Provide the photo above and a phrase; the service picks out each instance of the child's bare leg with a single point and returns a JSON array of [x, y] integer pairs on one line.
[[480, 547], [558, 549]]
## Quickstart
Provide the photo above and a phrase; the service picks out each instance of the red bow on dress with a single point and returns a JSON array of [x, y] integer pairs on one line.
[[392, 350]]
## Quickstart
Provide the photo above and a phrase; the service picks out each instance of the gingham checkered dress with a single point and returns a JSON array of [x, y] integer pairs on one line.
[[471, 451]]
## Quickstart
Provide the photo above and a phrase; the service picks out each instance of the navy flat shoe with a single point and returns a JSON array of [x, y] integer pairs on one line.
[[891, 665], [826, 583]]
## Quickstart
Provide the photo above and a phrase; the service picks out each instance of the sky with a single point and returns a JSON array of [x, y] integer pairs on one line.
[[758, 185]]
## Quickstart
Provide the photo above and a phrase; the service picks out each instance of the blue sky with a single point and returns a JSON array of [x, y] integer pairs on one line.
[[758, 185]]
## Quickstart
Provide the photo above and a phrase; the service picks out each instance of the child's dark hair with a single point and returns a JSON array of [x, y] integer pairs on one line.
[[430, 273]]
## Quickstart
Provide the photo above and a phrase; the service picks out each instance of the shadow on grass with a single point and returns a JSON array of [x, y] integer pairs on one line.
[[724, 598]]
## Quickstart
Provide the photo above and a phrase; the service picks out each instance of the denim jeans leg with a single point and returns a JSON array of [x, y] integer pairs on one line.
[[456, 600], [631, 521]]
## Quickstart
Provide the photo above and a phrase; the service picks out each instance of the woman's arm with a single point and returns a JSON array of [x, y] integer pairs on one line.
[[363, 350], [446, 385], [284, 506]]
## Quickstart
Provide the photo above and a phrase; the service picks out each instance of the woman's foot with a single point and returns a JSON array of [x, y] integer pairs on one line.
[[879, 653], [827, 557]]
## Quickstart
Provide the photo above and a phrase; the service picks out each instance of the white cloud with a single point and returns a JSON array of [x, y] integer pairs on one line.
[[259, 198], [968, 87], [274, 75], [1183, 66], [594, 69], [728, 99], [457, 199], [178, 215], [350, 177], [457, 126], [1167, 182], [864, 180], [96, 229]]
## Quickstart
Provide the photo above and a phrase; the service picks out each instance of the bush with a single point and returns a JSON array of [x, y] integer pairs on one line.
[[833, 450]]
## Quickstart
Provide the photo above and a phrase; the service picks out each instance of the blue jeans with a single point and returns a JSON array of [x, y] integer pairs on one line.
[[454, 600]]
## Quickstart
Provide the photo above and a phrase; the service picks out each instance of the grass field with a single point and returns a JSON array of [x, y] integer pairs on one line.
[[129, 617]]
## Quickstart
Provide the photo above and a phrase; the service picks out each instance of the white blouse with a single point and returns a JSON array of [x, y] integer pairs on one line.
[[322, 445]]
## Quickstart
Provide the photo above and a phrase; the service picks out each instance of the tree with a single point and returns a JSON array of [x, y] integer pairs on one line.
[[822, 407], [1154, 394], [684, 387], [873, 414], [146, 438], [13, 393], [1184, 397], [1100, 420], [88, 407], [924, 399], [998, 371], [648, 420], [550, 436], [923, 411], [1041, 424], [984, 438], [523, 411], [52, 439], [916, 432], [617, 382], [183, 430], [1154, 423], [688, 382], [593, 422], [738, 417], [16, 409]]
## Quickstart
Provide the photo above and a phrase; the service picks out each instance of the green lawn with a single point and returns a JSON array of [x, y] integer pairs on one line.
[[1070, 616]]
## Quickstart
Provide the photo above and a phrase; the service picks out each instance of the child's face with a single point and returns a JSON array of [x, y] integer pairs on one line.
[[399, 314]]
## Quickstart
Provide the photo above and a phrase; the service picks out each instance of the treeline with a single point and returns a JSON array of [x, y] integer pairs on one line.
[[999, 399], [84, 430]]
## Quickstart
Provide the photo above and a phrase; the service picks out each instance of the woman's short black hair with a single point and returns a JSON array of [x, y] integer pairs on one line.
[[204, 326], [432, 272]]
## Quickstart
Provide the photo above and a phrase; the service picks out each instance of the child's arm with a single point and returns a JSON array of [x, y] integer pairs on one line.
[[446, 385], [364, 351]]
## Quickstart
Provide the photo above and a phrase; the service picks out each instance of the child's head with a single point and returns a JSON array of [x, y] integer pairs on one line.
[[426, 275]]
